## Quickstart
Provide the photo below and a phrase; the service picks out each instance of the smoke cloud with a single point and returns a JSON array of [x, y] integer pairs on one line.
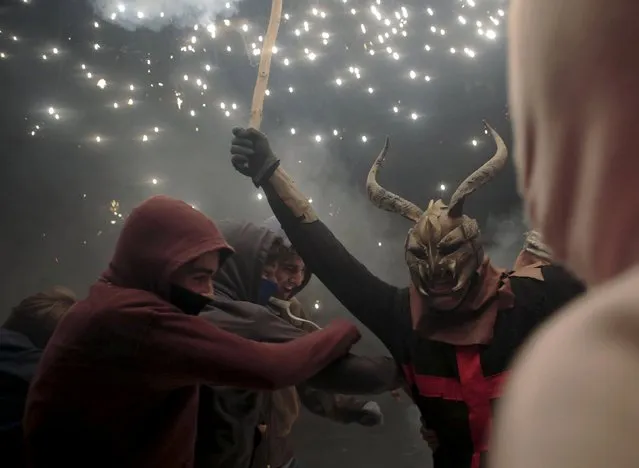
[[507, 235], [156, 14], [342, 204]]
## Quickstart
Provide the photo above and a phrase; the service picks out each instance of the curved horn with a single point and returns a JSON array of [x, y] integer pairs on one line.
[[384, 199], [480, 176]]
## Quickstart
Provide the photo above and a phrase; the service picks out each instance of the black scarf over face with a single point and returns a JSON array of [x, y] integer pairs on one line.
[[187, 301]]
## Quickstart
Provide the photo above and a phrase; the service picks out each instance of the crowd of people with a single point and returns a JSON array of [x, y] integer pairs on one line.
[[191, 349]]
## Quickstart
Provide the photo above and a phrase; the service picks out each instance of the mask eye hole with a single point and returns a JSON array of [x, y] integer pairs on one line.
[[449, 248], [419, 254]]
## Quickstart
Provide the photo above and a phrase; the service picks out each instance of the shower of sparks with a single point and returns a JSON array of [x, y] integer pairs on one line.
[[345, 42]]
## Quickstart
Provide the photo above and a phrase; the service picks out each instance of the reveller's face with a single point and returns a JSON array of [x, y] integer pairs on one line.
[[289, 275], [197, 276]]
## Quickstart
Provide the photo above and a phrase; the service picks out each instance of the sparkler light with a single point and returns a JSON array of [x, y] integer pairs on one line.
[[377, 53]]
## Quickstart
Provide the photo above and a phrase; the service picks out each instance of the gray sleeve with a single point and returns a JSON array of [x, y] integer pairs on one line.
[[339, 408], [254, 323], [350, 375], [358, 375]]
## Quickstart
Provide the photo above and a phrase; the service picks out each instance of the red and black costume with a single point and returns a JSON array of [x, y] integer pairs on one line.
[[455, 329]]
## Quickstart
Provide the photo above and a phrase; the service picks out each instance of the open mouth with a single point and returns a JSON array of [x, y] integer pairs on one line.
[[440, 288]]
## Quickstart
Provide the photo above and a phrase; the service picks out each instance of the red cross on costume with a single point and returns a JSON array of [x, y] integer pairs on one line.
[[473, 388]]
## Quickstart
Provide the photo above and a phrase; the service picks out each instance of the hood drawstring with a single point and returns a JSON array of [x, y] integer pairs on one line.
[[286, 305]]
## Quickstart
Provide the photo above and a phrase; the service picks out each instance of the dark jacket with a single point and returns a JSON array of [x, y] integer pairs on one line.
[[118, 382], [454, 387], [19, 359], [229, 417]]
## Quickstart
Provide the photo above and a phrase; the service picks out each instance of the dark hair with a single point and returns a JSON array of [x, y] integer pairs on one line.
[[37, 316], [279, 252]]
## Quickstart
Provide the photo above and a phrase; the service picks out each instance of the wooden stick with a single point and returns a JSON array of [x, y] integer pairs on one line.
[[263, 72]]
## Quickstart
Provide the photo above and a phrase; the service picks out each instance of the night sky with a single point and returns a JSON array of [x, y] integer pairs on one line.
[[98, 114]]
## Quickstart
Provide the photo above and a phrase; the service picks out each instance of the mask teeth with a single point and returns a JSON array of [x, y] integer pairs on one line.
[[422, 273]]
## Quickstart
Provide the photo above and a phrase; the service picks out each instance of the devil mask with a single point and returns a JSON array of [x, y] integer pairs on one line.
[[443, 249]]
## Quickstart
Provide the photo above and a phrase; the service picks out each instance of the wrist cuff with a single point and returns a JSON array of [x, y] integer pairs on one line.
[[265, 173]]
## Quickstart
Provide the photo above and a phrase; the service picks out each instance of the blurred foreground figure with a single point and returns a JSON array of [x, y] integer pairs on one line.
[[455, 328], [23, 336], [574, 94], [118, 381], [230, 418]]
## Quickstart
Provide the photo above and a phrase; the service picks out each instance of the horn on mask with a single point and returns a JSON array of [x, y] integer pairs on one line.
[[385, 199], [481, 176]]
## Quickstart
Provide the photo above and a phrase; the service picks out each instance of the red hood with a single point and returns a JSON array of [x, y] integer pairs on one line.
[[119, 378], [159, 236]]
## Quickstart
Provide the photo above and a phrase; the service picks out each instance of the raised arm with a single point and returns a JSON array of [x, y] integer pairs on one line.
[[367, 297], [180, 349]]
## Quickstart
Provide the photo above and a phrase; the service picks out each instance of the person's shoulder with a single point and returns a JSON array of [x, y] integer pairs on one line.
[[222, 310], [546, 280], [13, 340], [16, 348], [560, 275], [112, 311], [249, 320], [107, 299], [222, 305]]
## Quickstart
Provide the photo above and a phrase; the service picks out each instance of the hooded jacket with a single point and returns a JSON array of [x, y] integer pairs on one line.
[[282, 407], [118, 382], [574, 93], [229, 417], [19, 359]]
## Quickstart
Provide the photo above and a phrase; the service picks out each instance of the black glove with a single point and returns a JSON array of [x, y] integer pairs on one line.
[[252, 155]]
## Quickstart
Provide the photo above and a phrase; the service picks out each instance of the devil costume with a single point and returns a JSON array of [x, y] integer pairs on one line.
[[455, 329]]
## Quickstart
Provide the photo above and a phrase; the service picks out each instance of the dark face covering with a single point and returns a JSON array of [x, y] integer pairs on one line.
[[267, 290], [187, 301]]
